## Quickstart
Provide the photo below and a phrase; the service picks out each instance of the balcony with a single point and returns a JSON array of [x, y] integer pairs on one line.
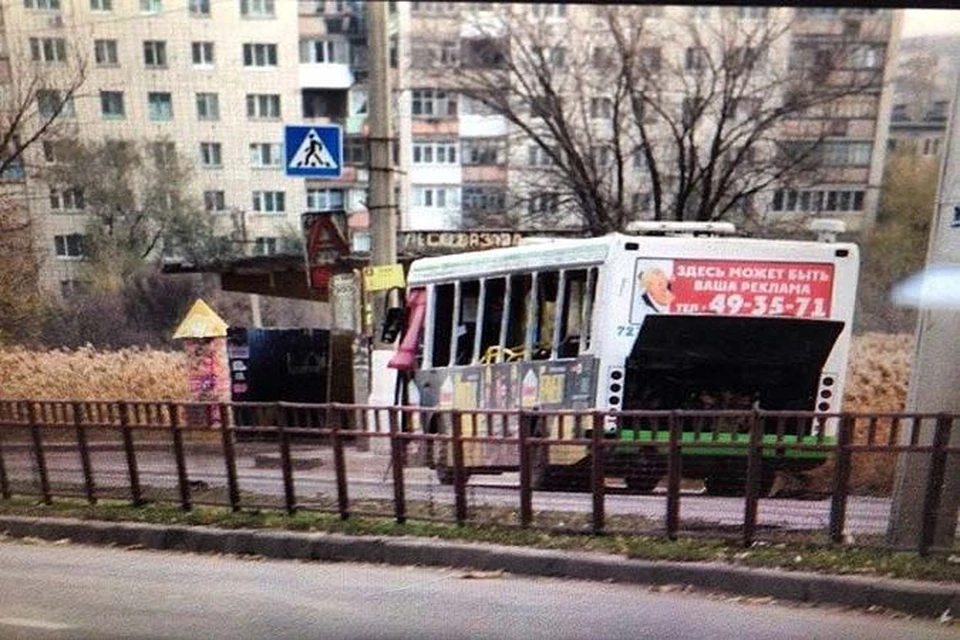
[[325, 75]]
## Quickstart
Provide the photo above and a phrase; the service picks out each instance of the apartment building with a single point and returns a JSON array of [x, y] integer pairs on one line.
[[220, 78]]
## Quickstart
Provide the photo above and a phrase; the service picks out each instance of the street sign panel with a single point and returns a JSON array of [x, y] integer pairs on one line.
[[313, 151]]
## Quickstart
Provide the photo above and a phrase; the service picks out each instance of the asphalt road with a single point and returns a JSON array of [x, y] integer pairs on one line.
[[369, 477], [51, 591]]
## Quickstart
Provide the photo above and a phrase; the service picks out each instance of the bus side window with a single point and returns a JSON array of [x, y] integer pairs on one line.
[[578, 288], [442, 324], [494, 290], [546, 308], [520, 290], [467, 329]]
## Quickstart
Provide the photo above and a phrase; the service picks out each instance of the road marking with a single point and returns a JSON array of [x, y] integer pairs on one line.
[[34, 624]]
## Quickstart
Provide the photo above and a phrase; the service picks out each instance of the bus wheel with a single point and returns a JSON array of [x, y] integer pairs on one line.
[[645, 473], [734, 483]]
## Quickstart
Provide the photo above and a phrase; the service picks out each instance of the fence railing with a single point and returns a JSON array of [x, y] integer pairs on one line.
[[669, 473]]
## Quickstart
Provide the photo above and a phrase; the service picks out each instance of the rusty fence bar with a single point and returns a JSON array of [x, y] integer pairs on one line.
[[597, 483], [4, 482], [286, 461], [674, 472], [841, 479], [229, 455], [459, 473], [935, 480], [183, 482], [397, 447], [126, 432], [38, 453], [88, 480], [754, 471], [340, 465], [526, 490]]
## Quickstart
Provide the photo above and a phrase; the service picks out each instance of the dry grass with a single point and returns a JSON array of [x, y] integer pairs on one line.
[[88, 374]]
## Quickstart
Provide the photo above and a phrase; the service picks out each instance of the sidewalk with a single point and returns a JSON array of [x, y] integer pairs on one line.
[[911, 597]]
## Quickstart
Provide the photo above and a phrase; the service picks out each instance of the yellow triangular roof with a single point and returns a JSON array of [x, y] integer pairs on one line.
[[201, 322]]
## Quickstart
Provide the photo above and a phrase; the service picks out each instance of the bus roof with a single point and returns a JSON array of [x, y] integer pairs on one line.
[[582, 252]]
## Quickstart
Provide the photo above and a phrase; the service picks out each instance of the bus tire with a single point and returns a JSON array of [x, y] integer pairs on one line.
[[646, 471], [733, 484]]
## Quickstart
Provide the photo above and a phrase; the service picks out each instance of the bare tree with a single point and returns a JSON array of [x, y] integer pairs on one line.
[[616, 120]]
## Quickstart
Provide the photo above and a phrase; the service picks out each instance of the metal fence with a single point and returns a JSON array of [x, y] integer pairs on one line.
[[422, 464]]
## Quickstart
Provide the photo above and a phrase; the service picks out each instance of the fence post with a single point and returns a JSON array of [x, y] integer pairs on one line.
[[841, 479], [136, 497], [597, 460], [397, 446], [38, 453], [526, 488], [754, 469], [340, 467], [229, 455], [4, 483], [935, 478], [459, 477], [673, 477], [290, 498], [88, 482], [183, 483]]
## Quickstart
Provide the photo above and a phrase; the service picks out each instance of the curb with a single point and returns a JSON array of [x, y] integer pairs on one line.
[[912, 597]]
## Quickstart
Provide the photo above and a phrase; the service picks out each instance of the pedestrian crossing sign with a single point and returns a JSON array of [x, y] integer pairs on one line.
[[313, 151]]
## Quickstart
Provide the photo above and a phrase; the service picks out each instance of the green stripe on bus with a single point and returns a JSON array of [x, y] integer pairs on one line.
[[770, 440]]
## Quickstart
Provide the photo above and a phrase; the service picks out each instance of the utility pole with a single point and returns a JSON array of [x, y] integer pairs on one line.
[[380, 197]]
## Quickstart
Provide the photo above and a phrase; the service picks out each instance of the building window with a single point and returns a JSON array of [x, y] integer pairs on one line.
[[155, 53], [435, 197], [163, 152], [483, 152], [324, 199], [434, 7], [202, 54], [639, 159], [151, 6], [263, 106], [259, 55], [160, 106], [550, 10], [257, 8], [208, 106], [843, 200], [101, 5], [313, 50], [544, 202], [931, 146], [865, 57], [49, 151], [199, 8], [650, 58], [266, 154], [433, 103], [537, 156], [554, 56], [641, 202], [429, 55], [435, 152], [601, 108], [51, 103], [264, 246], [484, 198], [269, 201], [845, 153], [695, 59], [69, 247], [355, 152], [211, 156], [48, 49], [752, 13], [476, 107], [111, 104], [105, 53], [66, 199], [214, 201], [48, 5]]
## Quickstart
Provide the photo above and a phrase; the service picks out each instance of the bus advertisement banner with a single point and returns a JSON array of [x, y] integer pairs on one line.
[[732, 287]]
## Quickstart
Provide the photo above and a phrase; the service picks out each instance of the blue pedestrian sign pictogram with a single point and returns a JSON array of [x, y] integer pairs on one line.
[[313, 152]]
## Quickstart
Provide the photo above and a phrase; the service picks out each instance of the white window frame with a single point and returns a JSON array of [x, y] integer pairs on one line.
[[105, 53], [42, 5], [436, 197], [266, 155], [260, 106], [66, 199], [537, 156], [258, 8], [270, 202], [265, 246], [211, 155], [112, 99], [158, 108], [434, 152], [214, 201], [208, 106], [199, 8], [151, 6], [326, 199], [64, 250], [155, 54], [69, 109], [101, 5], [48, 50], [433, 103], [259, 55], [202, 54]]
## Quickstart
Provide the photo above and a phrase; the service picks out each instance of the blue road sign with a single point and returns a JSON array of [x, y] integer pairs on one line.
[[313, 151]]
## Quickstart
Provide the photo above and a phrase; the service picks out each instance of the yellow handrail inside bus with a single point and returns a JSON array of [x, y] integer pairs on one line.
[[493, 353]]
